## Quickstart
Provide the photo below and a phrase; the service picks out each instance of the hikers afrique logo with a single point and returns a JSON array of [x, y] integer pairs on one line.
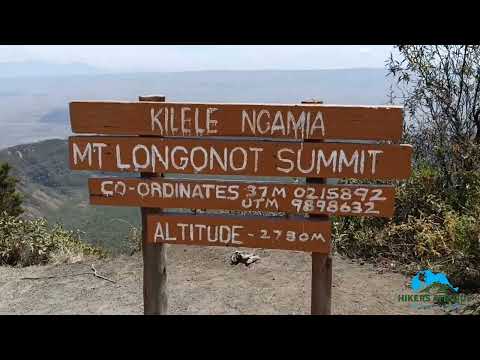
[[431, 288]]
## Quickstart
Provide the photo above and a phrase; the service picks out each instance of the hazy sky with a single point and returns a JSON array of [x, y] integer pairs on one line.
[[202, 57]]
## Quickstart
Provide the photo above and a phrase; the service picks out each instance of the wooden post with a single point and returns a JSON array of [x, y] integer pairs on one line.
[[321, 288], [155, 298]]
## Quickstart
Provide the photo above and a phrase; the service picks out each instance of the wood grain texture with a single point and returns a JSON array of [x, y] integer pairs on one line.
[[257, 158], [321, 288], [155, 276], [276, 121], [339, 200], [300, 234], [322, 276]]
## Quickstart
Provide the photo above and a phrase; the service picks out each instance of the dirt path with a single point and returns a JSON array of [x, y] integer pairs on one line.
[[202, 281]]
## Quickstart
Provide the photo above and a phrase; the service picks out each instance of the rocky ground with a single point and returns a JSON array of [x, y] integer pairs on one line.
[[201, 281]]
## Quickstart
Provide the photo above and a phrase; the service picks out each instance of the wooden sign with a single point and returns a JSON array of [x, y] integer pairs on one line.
[[246, 120], [299, 234], [220, 157], [242, 140], [343, 200]]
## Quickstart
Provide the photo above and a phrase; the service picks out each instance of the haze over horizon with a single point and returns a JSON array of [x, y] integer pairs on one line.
[[179, 58], [38, 82]]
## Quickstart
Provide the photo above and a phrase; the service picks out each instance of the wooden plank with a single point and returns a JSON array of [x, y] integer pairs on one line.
[[155, 276], [343, 200], [321, 288], [220, 157], [322, 276], [307, 121], [252, 232]]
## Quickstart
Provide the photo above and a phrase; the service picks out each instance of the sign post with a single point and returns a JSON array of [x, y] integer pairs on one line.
[[153, 137], [155, 295], [321, 286]]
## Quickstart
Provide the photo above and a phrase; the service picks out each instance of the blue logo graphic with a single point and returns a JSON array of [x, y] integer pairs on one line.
[[426, 278]]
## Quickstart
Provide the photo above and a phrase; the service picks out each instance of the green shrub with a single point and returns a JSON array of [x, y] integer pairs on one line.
[[10, 199], [433, 227], [32, 242]]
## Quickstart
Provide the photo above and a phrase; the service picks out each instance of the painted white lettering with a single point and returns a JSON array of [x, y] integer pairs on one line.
[[246, 119], [235, 234], [183, 160], [184, 120], [157, 156], [155, 119], [318, 124], [373, 154], [223, 163], [255, 161], [87, 153], [197, 167], [278, 123], [342, 159], [318, 236], [135, 158], [259, 118], [280, 158], [279, 191], [99, 146], [145, 191], [103, 189], [120, 166], [120, 188], [297, 124], [234, 193], [211, 123], [321, 159], [183, 226], [243, 160], [299, 162]]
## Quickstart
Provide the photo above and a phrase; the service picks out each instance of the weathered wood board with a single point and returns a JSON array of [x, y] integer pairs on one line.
[[249, 158], [343, 200], [300, 234], [313, 121], [244, 140]]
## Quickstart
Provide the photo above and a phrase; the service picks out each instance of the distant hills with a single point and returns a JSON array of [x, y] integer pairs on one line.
[[36, 108], [52, 190], [40, 69]]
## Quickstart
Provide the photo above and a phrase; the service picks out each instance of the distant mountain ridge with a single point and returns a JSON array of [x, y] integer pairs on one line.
[[34, 100], [36, 108], [40, 69], [51, 190]]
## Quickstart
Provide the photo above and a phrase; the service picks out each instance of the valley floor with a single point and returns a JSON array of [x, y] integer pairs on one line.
[[202, 281]]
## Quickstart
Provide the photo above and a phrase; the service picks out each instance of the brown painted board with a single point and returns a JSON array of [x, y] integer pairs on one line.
[[313, 121], [340, 200], [249, 158], [301, 234]]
